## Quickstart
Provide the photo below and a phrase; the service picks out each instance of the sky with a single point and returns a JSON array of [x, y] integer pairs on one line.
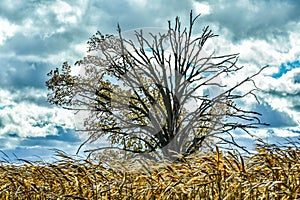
[[39, 35]]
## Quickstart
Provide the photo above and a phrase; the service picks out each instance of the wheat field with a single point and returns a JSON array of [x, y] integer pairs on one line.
[[270, 173]]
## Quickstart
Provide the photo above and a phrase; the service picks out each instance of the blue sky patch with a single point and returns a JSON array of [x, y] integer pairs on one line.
[[285, 67]]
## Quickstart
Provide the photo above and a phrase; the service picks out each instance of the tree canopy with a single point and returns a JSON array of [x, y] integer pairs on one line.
[[157, 94]]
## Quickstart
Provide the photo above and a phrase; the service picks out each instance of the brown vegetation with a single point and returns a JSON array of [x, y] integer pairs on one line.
[[270, 173]]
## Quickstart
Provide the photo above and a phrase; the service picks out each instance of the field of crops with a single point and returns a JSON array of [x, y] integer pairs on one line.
[[270, 173]]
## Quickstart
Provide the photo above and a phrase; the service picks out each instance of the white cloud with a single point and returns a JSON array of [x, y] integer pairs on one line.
[[138, 3], [285, 84], [282, 93], [30, 28], [285, 133], [277, 132], [26, 119], [272, 49], [202, 8], [44, 18], [258, 52], [7, 30], [6, 98], [66, 13]]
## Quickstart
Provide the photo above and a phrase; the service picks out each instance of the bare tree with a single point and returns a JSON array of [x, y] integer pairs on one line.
[[146, 95]]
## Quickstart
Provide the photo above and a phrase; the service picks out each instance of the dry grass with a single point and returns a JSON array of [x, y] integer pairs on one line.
[[271, 173]]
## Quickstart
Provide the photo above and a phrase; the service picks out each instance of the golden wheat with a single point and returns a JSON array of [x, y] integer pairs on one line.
[[271, 173]]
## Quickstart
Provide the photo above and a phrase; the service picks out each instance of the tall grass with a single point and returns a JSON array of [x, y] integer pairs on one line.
[[270, 173]]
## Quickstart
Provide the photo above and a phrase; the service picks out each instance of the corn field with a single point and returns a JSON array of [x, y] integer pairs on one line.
[[270, 173]]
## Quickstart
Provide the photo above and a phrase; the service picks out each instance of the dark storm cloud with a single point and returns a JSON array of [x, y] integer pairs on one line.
[[16, 11], [296, 107], [297, 78], [19, 74], [1, 123], [274, 117], [254, 18], [282, 94], [36, 45], [24, 55], [42, 38], [40, 100], [133, 15], [64, 136]]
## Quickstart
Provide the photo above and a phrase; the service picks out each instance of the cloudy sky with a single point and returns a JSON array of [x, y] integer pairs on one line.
[[39, 35]]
